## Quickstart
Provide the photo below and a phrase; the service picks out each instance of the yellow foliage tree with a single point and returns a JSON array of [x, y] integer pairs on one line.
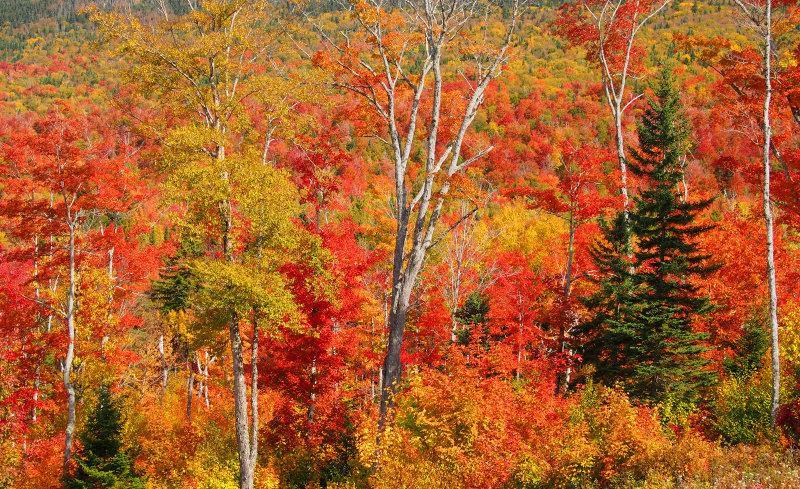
[[209, 64]]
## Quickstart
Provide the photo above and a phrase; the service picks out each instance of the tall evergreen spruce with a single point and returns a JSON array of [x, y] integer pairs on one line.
[[607, 338], [669, 356], [641, 334], [102, 463]]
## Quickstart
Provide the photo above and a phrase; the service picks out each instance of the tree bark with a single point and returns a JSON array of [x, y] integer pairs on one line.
[[206, 379], [240, 407], [246, 428], [70, 356], [455, 283], [246, 425], [768, 219], [253, 400], [313, 398], [391, 364], [569, 320], [164, 369], [623, 167], [189, 388]]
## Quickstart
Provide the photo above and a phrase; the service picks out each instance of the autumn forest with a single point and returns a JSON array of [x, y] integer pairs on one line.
[[399, 244]]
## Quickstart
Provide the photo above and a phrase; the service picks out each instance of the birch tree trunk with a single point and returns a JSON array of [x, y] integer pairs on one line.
[[419, 209], [313, 398], [391, 364], [240, 407], [37, 296], [569, 319], [253, 455], [623, 167], [768, 220], [246, 426], [456, 270], [70, 356], [246, 423], [615, 95], [394, 86], [189, 387], [164, 369], [206, 379], [760, 18], [607, 20]]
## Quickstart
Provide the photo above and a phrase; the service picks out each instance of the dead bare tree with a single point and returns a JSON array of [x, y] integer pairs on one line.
[[403, 50]]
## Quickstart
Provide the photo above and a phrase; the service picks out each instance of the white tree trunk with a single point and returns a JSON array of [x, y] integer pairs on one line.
[[623, 167], [189, 388], [246, 423], [240, 407], [773, 289], [164, 369], [70, 356]]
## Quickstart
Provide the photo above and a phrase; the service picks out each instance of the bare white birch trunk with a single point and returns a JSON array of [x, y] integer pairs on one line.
[[189, 388], [70, 356], [773, 289], [164, 369]]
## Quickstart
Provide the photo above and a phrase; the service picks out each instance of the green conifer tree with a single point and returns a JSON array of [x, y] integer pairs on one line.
[[669, 359], [474, 318], [607, 337], [749, 349], [641, 330], [102, 463]]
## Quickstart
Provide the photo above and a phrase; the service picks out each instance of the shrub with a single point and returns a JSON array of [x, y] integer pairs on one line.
[[454, 428], [788, 419], [741, 410]]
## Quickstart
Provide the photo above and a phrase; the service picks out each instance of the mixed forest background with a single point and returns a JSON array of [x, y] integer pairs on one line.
[[411, 243]]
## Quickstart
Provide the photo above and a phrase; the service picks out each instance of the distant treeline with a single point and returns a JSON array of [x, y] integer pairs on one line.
[[30, 13]]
